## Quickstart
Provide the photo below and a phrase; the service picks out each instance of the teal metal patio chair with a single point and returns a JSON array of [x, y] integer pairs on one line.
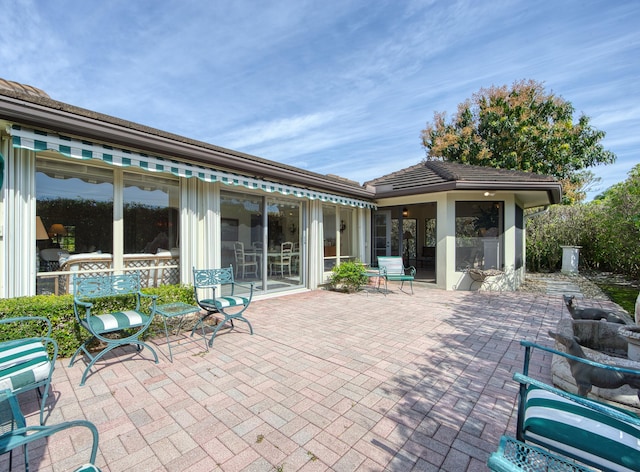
[[208, 285], [392, 268], [14, 433], [131, 323], [560, 431], [28, 363]]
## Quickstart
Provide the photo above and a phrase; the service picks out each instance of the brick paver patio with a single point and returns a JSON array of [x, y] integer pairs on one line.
[[329, 381]]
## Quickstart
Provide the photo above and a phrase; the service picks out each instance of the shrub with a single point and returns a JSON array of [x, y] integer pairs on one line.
[[607, 229], [348, 276]]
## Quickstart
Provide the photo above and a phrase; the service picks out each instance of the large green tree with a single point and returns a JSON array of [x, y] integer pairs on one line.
[[521, 127]]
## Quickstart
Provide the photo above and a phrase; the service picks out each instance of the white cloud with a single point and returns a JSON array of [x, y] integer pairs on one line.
[[340, 86]]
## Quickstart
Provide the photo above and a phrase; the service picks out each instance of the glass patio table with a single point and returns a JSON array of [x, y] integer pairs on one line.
[[173, 310]]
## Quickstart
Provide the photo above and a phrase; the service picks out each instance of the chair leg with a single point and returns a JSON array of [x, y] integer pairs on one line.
[[43, 395], [200, 323], [139, 345]]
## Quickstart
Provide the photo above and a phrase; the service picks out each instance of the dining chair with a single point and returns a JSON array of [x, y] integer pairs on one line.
[[279, 264], [245, 261]]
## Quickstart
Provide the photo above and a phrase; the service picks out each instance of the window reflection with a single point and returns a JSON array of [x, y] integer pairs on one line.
[[150, 214], [75, 203], [80, 199], [479, 232]]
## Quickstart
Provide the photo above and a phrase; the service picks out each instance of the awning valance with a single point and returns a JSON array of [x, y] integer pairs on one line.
[[36, 140]]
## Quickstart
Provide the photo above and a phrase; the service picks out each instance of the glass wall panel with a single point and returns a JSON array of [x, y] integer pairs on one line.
[[520, 228], [241, 235], [330, 237], [409, 241], [74, 202], [272, 258], [151, 228], [284, 256], [479, 235], [151, 209], [347, 234]]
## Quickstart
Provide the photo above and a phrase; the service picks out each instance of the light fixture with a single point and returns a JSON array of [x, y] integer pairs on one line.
[[57, 230], [41, 232], [489, 194], [405, 212], [407, 235]]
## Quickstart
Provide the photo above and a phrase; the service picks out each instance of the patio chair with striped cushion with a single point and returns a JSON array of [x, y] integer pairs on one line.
[[209, 285], [27, 363], [130, 322]]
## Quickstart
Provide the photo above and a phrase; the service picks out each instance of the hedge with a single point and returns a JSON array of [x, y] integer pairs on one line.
[[59, 309]]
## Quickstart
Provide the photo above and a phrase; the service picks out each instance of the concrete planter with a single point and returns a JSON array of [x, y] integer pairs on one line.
[[570, 259]]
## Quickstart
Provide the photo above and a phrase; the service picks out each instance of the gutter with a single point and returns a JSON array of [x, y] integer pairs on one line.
[[545, 209]]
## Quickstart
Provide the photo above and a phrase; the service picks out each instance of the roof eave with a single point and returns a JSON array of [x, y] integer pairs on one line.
[[553, 189], [28, 112]]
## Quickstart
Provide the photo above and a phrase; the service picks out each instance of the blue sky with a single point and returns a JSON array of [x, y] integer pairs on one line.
[[336, 87]]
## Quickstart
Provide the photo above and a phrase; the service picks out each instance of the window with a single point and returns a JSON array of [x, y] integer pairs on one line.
[[151, 208], [519, 237], [346, 235], [479, 234], [253, 252], [329, 229], [75, 202], [430, 232]]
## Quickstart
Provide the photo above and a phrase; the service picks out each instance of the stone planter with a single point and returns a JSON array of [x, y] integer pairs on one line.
[[570, 259], [603, 336]]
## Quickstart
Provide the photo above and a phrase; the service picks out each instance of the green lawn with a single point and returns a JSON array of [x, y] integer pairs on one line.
[[623, 295]]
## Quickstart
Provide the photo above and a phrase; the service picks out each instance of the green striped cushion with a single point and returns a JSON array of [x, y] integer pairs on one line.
[[23, 362], [580, 432], [400, 277], [117, 321], [226, 302]]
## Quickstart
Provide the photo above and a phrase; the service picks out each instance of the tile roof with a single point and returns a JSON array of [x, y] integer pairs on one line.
[[436, 176]]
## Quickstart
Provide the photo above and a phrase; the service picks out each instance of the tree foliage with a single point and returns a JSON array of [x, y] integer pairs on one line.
[[607, 229], [521, 127]]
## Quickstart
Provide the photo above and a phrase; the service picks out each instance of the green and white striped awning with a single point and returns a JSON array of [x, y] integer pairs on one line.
[[36, 140]]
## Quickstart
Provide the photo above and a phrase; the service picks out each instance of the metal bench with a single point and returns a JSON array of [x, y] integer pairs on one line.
[[132, 323]]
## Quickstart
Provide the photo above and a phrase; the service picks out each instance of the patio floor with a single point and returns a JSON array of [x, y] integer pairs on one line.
[[329, 381]]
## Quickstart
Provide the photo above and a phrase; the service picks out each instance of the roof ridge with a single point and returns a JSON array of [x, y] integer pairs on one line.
[[443, 169], [397, 172], [17, 87]]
